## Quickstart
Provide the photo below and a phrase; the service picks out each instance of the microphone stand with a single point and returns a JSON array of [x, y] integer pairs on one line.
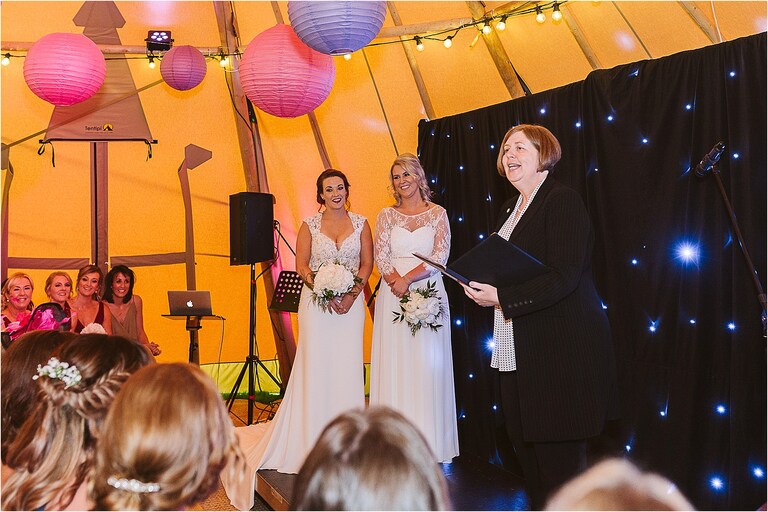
[[742, 246]]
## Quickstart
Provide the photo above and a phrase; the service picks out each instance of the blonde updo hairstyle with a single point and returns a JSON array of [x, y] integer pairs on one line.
[[53, 450], [410, 163], [542, 139], [49, 282], [168, 426]]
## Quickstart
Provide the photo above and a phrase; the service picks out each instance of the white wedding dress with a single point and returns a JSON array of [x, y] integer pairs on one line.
[[414, 373], [326, 379]]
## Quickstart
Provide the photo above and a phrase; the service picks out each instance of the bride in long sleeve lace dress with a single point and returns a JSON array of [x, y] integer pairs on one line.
[[327, 374], [413, 373]]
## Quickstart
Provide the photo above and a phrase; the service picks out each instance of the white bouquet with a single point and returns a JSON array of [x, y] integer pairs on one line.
[[332, 280], [421, 308]]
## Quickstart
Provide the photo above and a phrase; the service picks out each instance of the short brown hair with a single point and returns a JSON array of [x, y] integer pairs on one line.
[[372, 459], [542, 139]]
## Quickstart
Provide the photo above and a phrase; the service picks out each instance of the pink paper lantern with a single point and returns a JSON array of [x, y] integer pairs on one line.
[[183, 67], [283, 76], [64, 69]]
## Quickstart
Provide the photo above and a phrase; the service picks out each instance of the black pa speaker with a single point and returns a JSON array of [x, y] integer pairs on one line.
[[251, 224]]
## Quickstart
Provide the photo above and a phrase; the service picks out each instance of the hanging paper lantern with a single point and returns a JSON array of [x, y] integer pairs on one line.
[[336, 28], [283, 76], [64, 69], [183, 67]]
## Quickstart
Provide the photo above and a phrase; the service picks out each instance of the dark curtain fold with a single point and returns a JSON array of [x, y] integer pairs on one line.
[[688, 334]]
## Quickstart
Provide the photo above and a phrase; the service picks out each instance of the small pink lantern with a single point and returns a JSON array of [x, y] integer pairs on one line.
[[283, 76], [183, 67], [64, 69]]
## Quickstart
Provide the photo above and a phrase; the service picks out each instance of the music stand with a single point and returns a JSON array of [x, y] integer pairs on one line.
[[287, 292]]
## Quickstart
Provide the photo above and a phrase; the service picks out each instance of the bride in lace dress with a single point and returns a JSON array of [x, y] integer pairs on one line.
[[327, 375], [413, 373]]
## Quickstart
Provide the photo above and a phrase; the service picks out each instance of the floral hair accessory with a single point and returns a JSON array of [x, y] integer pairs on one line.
[[133, 485], [61, 370]]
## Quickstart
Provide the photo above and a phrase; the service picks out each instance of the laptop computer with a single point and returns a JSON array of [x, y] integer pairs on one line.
[[189, 303]]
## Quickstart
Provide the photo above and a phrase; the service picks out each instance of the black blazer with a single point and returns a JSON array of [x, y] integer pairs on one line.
[[565, 363]]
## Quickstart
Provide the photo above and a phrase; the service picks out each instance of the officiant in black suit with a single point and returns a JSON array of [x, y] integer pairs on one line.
[[552, 342]]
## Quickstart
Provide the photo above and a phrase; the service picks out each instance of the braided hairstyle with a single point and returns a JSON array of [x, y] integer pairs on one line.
[[53, 450], [18, 390], [141, 441]]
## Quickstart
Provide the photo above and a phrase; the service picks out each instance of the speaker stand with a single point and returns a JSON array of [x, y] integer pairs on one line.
[[252, 360]]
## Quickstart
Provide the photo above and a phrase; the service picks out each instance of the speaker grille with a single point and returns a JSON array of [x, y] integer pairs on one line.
[[251, 228]]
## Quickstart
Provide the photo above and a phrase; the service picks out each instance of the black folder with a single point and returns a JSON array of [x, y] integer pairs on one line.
[[494, 261]]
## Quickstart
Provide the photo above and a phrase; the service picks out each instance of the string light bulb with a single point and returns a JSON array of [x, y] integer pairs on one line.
[[486, 27], [223, 60], [502, 24], [556, 14], [540, 16], [448, 42], [6, 59], [419, 44], [347, 56], [151, 62]]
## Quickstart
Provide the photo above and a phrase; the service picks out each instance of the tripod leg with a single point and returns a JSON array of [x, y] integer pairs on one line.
[[233, 393], [257, 360]]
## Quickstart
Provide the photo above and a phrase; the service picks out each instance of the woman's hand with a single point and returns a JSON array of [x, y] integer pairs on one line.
[[399, 286], [309, 279], [154, 348], [483, 294], [342, 305]]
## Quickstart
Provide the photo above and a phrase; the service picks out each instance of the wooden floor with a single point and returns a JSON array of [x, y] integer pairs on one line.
[[473, 484]]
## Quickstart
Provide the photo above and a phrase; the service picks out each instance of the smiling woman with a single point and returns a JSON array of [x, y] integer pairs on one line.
[[86, 306], [126, 307], [412, 369], [324, 382]]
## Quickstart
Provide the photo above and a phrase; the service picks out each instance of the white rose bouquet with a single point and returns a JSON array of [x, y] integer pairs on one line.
[[332, 280], [421, 308]]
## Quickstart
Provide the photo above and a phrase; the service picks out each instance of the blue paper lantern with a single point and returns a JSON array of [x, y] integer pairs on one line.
[[336, 28]]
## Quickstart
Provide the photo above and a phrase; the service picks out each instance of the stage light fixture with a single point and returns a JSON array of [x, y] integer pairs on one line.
[[159, 40]]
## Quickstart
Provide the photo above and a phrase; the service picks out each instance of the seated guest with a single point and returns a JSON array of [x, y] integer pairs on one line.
[[617, 484], [53, 449], [16, 303], [164, 442], [372, 459], [58, 288], [16, 386], [86, 306], [126, 307]]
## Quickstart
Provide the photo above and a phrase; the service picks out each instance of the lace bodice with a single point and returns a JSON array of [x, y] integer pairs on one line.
[[324, 249], [434, 237]]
